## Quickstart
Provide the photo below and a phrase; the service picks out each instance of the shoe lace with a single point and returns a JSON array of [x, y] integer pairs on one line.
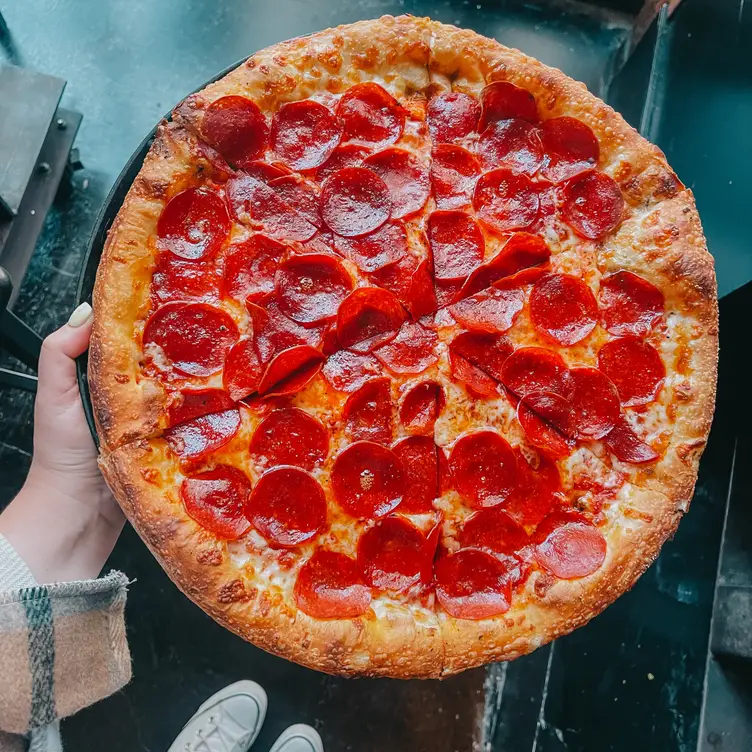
[[217, 735]]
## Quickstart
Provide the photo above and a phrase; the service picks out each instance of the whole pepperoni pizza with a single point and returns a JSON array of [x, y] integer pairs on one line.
[[404, 351]]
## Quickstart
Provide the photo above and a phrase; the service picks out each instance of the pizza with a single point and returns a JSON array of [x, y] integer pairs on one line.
[[404, 351]]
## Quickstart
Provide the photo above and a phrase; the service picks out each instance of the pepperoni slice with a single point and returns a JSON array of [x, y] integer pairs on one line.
[[535, 369], [593, 205], [421, 463], [457, 245], [368, 412], [197, 402], [311, 287], [396, 277], [630, 304], [290, 436], [472, 584], [452, 116], [506, 201], [627, 445], [302, 195], [405, 176], [569, 546], [305, 133], [243, 369], [180, 279], [563, 308], [422, 406], [216, 500], [484, 468], [570, 148], [290, 370], [546, 418], [411, 351], [595, 403], [515, 144], [266, 172], [250, 267], [330, 586], [368, 480], [345, 155], [636, 369], [477, 359], [521, 252], [254, 201], [194, 224], [392, 555], [375, 250], [495, 531], [454, 172], [236, 128], [367, 318], [468, 373], [355, 201], [194, 337], [501, 101], [274, 332], [347, 371], [538, 491], [491, 310], [371, 114], [194, 439]]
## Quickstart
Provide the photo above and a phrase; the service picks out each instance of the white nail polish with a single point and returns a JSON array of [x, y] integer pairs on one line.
[[80, 316]]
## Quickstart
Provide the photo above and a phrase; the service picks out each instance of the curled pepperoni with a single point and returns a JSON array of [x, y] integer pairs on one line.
[[290, 370], [538, 491], [250, 267], [506, 201], [630, 304], [371, 114], [515, 144], [266, 172], [180, 279], [563, 308], [570, 148], [457, 245], [392, 554], [452, 116], [236, 128], [627, 445], [371, 252], [635, 367], [495, 531], [254, 201], [491, 310], [535, 369], [355, 201], [330, 586], [194, 403], [243, 369], [421, 407], [367, 318], [368, 480], [274, 332], [420, 460], [501, 101], [194, 439], [194, 224], [216, 500], [311, 287], [287, 506], [546, 418], [595, 403], [569, 546], [345, 155], [290, 436], [302, 195], [421, 293], [472, 584], [484, 468], [347, 371], [194, 337], [523, 251], [405, 177], [477, 359], [593, 205], [368, 413], [454, 172], [305, 133], [411, 351]]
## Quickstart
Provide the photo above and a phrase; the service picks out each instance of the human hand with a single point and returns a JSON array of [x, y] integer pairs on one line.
[[64, 522]]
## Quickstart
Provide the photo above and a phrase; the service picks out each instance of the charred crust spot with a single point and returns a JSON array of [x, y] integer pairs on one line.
[[665, 237], [683, 391], [688, 451], [155, 187], [667, 186], [210, 557], [119, 259], [543, 583], [232, 592], [122, 378]]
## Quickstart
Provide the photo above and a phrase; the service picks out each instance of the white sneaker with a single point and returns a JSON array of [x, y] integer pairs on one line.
[[298, 738], [229, 721]]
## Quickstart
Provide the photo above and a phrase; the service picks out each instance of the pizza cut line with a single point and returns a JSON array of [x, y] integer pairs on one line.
[[404, 350]]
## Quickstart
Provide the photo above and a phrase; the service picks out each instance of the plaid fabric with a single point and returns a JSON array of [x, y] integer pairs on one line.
[[62, 647]]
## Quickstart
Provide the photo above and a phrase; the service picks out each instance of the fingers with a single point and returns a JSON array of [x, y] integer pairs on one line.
[[57, 365]]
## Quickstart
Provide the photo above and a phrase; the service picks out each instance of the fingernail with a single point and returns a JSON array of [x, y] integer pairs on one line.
[[80, 316]]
